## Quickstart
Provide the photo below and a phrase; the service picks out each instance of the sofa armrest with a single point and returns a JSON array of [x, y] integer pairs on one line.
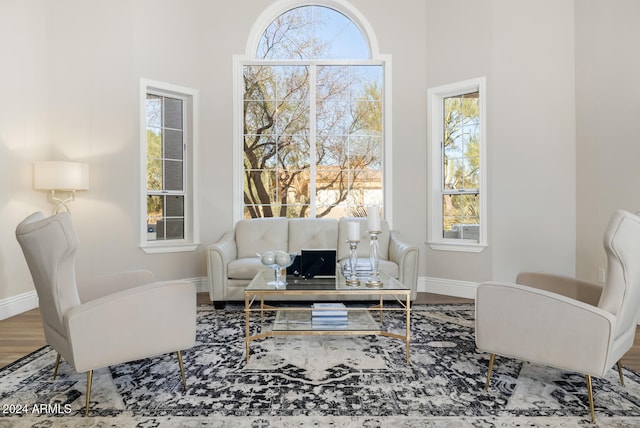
[[137, 323], [218, 257], [542, 327], [405, 255], [583, 291], [93, 288]]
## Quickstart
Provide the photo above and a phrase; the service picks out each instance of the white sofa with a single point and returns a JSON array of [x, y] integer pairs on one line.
[[232, 262]]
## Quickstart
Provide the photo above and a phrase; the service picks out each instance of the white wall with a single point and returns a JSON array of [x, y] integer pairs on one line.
[[525, 49], [532, 127], [23, 130], [455, 53], [72, 85], [608, 109]]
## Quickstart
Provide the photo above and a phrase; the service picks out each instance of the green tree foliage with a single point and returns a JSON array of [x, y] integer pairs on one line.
[[154, 172], [461, 159]]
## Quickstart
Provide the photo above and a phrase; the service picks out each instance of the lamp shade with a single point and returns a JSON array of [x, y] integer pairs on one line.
[[61, 175]]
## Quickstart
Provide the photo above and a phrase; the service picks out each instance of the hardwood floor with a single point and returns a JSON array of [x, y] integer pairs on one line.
[[22, 334]]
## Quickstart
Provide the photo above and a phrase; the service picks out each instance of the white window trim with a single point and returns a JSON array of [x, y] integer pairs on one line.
[[248, 58], [191, 240], [435, 97]]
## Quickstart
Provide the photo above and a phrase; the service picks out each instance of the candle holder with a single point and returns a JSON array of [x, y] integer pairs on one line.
[[374, 280], [353, 280]]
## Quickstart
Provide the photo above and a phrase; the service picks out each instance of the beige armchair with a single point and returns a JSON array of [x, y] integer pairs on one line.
[[110, 320], [566, 323]]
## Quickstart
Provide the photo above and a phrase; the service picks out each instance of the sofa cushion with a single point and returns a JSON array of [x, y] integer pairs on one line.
[[312, 233], [258, 235], [246, 268], [365, 240]]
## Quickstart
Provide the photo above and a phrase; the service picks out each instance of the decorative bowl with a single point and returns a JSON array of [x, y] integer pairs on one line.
[[277, 260]]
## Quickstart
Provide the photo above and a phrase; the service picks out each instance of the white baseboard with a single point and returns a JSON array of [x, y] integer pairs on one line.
[[16, 305], [448, 287]]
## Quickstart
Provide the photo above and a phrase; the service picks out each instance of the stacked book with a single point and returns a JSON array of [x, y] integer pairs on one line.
[[329, 315], [363, 268]]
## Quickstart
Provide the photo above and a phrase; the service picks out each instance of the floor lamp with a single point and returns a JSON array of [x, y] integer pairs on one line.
[[61, 176]]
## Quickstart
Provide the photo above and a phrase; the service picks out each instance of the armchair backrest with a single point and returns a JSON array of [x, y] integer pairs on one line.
[[49, 246], [621, 293]]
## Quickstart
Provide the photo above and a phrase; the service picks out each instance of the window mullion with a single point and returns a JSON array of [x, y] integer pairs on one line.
[[312, 138]]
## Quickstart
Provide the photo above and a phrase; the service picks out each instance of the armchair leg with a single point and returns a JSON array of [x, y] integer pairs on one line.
[[620, 373], [55, 367], [184, 378], [89, 380], [590, 391], [491, 360]]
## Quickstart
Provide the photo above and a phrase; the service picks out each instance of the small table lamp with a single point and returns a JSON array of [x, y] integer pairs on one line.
[[61, 176]]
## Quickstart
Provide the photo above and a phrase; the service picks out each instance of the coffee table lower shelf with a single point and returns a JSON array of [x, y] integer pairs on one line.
[[294, 321]]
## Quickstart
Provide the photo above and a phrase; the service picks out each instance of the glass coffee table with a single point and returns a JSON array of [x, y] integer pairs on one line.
[[297, 319]]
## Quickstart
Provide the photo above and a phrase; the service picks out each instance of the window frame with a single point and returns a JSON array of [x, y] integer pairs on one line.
[[190, 241], [249, 58], [435, 191]]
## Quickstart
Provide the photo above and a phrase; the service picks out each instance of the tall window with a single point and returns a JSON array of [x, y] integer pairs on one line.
[[168, 146], [457, 219], [312, 119]]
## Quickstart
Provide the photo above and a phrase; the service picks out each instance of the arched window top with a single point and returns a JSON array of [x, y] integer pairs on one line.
[[312, 32], [343, 30]]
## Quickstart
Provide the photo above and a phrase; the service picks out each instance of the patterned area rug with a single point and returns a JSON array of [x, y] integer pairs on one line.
[[338, 381]]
